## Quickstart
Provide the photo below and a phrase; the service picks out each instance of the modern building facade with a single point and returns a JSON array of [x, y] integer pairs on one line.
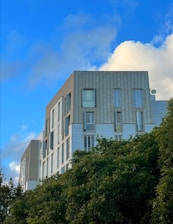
[[29, 166], [91, 104]]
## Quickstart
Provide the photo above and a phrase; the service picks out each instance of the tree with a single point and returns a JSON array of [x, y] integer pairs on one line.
[[114, 182], [163, 203], [8, 193]]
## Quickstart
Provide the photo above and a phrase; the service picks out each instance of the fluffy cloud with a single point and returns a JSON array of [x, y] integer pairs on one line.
[[79, 43], [77, 51], [14, 166], [131, 55]]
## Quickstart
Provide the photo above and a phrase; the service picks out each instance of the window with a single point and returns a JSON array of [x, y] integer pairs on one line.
[[68, 103], [67, 123], [67, 166], [139, 121], [88, 142], [62, 155], [88, 98], [52, 118], [47, 127], [44, 148], [117, 98], [68, 148], [62, 169], [118, 137], [58, 133], [52, 163], [118, 121], [89, 121], [58, 111], [51, 140], [138, 97], [58, 157], [47, 167], [43, 171]]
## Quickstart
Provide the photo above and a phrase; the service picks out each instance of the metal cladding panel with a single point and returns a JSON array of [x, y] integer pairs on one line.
[[104, 82]]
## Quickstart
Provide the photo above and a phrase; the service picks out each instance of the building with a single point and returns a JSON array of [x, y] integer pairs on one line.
[[91, 104], [158, 108], [94, 103], [29, 166]]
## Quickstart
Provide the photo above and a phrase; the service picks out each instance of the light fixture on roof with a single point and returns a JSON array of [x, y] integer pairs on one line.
[[153, 91]]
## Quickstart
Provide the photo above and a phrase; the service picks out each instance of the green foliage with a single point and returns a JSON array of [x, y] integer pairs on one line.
[[115, 183], [8, 193], [163, 203]]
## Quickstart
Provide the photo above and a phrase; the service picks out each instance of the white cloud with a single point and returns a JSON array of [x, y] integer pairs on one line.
[[15, 167], [166, 27], [78, 51], [24, 127], [131, 55]]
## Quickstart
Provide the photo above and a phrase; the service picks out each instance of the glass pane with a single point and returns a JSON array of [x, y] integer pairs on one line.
[[138, 97], [117, 98], [139, 121], [88, 98]]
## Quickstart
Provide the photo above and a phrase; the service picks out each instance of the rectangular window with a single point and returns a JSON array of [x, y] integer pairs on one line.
[[89, 123], [58, 133], [44, 148], [68, 103], [139, 121], [47, 167], [47, 127], [88, 98], [67, 124], [62, 169], [67, 167], [58, 111], [52, 118], [52, 163], [58, 157], [68, 148], [62, 155], [88, 142], [117, 97], [43, 171], [138, 97], [51, 140], [118, 137], [118, 121]]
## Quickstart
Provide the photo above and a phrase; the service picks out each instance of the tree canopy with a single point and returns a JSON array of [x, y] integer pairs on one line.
[[124, 182]]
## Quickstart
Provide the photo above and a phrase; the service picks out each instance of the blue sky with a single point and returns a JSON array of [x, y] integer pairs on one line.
[[43, 41]]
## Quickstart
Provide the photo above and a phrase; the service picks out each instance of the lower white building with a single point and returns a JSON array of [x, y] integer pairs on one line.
[[29, 166]]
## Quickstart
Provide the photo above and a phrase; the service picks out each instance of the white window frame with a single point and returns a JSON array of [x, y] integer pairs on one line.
[[89, 121], [118, 121], [88, 142]]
